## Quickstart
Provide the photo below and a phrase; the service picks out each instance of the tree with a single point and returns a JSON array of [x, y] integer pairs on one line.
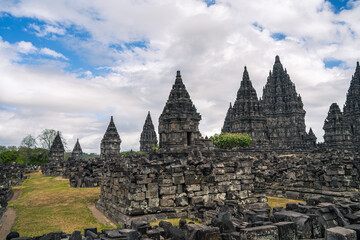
[[9, 156], [29, 141], [47, 137]]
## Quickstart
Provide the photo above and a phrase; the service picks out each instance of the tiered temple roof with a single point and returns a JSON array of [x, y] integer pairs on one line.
[[337, 132], [283, 108], [246, 115], [110, 144], [77, 151], [148, 138], [352, 107], [57, 150], [179, 121]]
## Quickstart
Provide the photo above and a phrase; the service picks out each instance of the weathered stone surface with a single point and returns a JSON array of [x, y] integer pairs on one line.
[[340, 233], [246, 116], [110, 144], [269, 232], [148, 138], [179, 121]]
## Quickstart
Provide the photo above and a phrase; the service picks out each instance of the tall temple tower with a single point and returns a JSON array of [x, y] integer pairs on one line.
[[352, 107], [246, 115], [337, 131], [110, 144], [179, 121], [283, 109], [148, 138], [56, 154], [77, 152]]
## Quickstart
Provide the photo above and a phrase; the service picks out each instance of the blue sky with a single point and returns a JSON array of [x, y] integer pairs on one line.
[[71, 65]]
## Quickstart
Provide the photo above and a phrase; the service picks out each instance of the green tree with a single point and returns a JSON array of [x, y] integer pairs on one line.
[[39, 156], [9, 156], [26, 147], [47, 136]]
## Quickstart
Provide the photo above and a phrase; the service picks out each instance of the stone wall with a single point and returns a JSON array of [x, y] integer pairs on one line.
[[83, 173], [10, 175], [52, 169], [161, 185], [303, 175]]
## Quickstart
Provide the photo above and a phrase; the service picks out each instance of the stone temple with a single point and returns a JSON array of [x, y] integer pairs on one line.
[[342, 129], [179, 121], [187, 177], [246, 116], [57, 150], [278, 119], [76, 154], [148, 138], [110, 144]]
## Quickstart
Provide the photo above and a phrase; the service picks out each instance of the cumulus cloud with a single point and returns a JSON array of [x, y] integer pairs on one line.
[[210, 44]]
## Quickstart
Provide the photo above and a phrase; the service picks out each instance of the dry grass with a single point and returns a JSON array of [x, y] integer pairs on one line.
[[281, 202], [48, 204], [173, 221]]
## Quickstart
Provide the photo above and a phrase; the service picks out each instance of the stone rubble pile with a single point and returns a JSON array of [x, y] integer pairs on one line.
[[10, 175], [301, 176], [83, 173], [317, 219]]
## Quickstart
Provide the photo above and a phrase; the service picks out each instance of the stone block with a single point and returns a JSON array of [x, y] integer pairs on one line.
[[193, 187], [340, 233], [154, 202], [269, 232], [202, 232], [167, 190], [178, 179], [167, 202], [287, 230]]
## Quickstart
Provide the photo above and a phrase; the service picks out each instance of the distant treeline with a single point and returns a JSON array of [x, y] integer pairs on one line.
[[32, 156]]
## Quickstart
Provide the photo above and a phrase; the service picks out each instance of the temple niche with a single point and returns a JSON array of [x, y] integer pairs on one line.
[[110, 144], [179, 121], [148, 138], [246, 115]]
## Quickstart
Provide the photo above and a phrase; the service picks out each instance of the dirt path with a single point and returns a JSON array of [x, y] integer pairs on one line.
[[100, 217], [8, 219]]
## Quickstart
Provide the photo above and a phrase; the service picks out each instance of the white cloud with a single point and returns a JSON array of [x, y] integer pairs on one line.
[[52, 53], [210, 45], [47, 30]]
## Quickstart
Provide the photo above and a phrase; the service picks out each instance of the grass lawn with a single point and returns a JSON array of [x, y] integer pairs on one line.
[[280, 202], [49, 204]]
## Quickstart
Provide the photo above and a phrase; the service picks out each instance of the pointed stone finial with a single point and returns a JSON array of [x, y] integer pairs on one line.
[[246, 74], [178, 73], [230, 105], [111, 119], [277, 59]]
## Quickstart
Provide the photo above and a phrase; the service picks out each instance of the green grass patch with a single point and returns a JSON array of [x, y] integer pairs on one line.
[[281, 202], [49, 204], [173, 221]]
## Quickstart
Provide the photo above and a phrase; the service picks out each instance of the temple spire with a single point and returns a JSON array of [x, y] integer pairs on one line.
[[148, 138], [77, 151], [110, 144]]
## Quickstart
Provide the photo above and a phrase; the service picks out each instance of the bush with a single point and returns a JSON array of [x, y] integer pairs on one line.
[[231, 140]]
